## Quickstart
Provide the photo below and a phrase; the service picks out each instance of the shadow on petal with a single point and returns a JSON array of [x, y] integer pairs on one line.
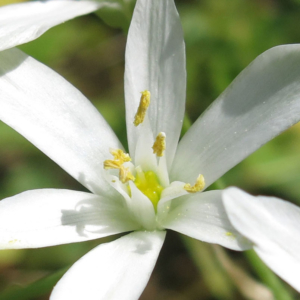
[[263, 83], [10, 63], [143, 245], [98, 216]]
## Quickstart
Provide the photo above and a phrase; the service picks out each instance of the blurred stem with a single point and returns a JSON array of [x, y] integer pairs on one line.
[[268, 277], [212, 272], [34, 290], [248, 287]]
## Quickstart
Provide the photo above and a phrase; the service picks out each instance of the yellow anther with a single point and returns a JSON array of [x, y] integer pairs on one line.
[[120, 155], [117, 163], [159, 145], [119, 158], [199, 185], [125, 175], [112, 164], [141, 112]]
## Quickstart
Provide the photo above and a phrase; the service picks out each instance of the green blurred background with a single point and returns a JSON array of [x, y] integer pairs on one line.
[[222, 38]]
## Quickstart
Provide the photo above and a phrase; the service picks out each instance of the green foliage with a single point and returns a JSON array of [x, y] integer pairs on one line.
[[34, 290]]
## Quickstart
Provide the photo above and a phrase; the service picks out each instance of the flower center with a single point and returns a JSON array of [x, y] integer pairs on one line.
[[148, 183], [149, 174]]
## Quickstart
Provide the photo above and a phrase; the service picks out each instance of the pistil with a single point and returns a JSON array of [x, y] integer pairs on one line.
[[148, 183]]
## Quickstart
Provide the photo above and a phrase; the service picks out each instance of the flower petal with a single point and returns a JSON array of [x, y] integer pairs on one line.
[[56, 118], [23, 22], [202, 216], [144, 156], [139, 205], [273, 226], [48, 217], [142, 208], [262, 101], [112, 271], [155, 61]]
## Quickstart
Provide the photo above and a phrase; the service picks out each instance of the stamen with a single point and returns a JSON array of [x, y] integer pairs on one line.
[[159, 145], [125, 175], [112, 164], [120, 155], [117, 163], [199, 185], [141, 112]]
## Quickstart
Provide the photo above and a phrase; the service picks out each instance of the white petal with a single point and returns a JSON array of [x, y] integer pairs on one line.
[[273, 225], [155, 61], [56, 118], [24, 22], [144, 156], [262, 101], [47, 217], [142, 208], [203, 217], [139, 205], [174, 190], [162, 171], [112, 271]]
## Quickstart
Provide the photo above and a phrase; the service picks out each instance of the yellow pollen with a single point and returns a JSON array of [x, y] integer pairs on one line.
[[117, 163], [120, 155], [141, 112], [125, 174], [119, 158], [159, 145], [199, 185], [112, 164], [148, 184]]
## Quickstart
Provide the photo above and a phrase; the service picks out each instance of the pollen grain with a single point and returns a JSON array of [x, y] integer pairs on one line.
[[159, 145], [197, 187], [142, 109], [117, 163]]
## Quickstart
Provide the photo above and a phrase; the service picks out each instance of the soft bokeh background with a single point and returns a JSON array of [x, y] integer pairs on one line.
[[222, 38]]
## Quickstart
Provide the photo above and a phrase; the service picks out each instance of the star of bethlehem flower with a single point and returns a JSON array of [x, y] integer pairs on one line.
[[157, 185]]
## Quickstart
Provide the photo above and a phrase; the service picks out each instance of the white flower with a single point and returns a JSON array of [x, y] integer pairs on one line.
[[23, 22], [273, 226], [153, 191]]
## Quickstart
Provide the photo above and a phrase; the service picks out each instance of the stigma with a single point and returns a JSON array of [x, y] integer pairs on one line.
[[197, 187], [142, 109]]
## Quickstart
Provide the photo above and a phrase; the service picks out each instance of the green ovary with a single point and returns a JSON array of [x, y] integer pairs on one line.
[[148, 184]]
